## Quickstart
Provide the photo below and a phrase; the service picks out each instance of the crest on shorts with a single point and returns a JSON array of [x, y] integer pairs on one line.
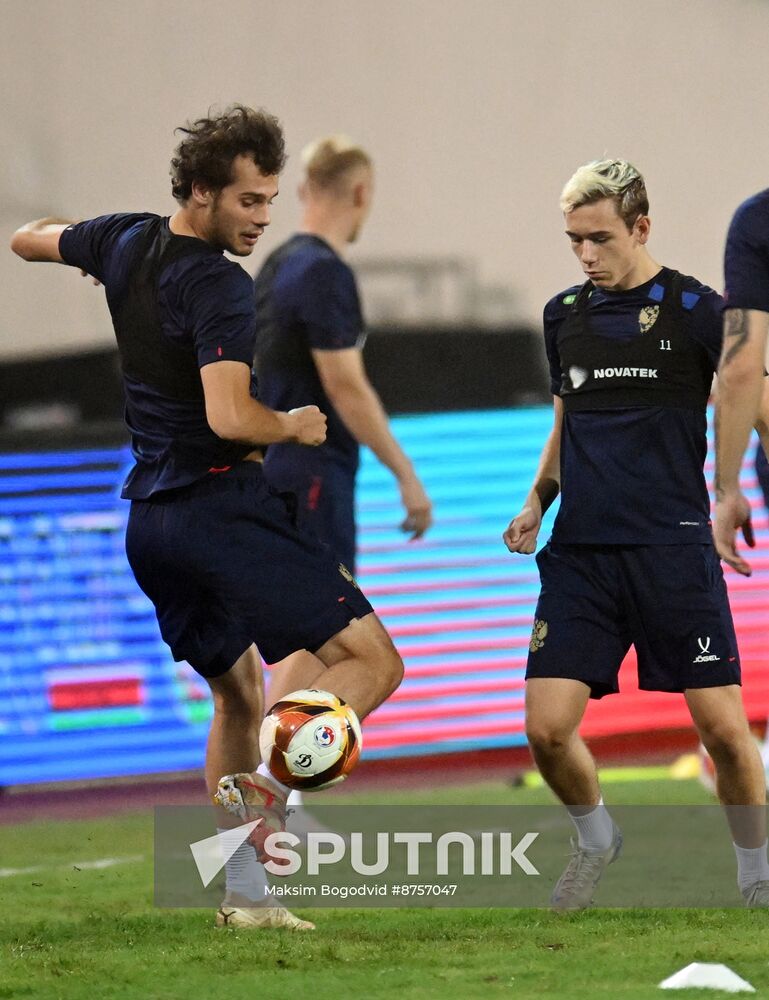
[[647, 317], [348, 575], [538, 635]]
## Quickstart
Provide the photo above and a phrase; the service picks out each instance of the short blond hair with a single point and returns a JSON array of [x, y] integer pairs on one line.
[[616, 179], [328, 161]]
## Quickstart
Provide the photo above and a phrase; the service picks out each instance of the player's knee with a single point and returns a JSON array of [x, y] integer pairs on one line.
[[725, 740], [393, 670], [546, 736], [382, 654]]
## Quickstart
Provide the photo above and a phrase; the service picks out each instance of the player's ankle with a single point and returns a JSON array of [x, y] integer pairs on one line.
[[265, 772], [237, 899]]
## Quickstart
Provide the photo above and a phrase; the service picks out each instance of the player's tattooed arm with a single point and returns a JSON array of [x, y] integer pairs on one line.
[[739, 404], [735, 334], [744, 343], [740, 390]]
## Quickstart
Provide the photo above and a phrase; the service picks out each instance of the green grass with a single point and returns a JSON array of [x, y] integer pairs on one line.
[[94, 933]]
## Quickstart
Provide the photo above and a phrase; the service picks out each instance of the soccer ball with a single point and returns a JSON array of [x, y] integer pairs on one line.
[[310, 740]]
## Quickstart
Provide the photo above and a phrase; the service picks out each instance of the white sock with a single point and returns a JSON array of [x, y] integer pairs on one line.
[[295, 798], [752, 866], [595, 829], [267, 773], [244, 873]]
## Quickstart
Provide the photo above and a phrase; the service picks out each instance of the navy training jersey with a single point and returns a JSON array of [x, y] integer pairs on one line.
[[632, 472], [177, 304], [746, 258], [306, 299]]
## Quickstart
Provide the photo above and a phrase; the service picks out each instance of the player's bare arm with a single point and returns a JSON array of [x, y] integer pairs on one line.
[[735, 510], [234, 415], [521, 533], [738, 409], [740, 388], [346, 384], [39, 240]]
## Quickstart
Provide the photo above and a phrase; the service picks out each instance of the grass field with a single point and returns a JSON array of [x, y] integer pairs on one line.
[[69, 930]]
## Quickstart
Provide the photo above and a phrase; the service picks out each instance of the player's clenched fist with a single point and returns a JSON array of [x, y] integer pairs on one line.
[[521, 533], [308, 425]]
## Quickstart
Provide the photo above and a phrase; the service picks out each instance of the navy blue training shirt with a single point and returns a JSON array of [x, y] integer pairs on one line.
[[177, 304], [746, 258], [632, 475], [306, 299]]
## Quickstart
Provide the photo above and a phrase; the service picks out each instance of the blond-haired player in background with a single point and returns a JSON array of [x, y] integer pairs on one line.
[[309, 346]]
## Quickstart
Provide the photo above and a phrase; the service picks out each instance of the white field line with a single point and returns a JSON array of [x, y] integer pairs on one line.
[[78, 865]]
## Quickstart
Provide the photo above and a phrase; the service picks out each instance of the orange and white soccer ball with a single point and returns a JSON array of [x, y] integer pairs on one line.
[[310, 740]]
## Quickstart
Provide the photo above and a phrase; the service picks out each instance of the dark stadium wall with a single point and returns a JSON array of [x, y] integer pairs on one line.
[[414, 370]]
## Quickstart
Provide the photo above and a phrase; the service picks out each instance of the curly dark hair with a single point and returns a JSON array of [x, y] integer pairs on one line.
[[209, 146]]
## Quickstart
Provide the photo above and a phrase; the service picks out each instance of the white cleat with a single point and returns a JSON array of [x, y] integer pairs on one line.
[[237, 911], [250, 797], [574, 889], [757, 895]]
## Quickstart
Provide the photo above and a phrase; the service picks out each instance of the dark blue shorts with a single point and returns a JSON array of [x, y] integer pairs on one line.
[[225, 566], [325, 498], [669, 601]]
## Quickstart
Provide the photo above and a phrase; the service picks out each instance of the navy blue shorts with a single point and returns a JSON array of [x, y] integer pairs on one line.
[[325, 499], [669, 601], [225, 566]]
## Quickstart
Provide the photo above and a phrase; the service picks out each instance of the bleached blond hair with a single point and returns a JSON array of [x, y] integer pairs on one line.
[[616, 179], [329, 161]]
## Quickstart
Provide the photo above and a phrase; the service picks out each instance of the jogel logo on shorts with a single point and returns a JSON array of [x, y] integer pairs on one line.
[[348, 575], [538, 636]]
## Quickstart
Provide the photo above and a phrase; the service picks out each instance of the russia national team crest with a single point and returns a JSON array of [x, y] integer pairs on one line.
[[538, 636], [324, 736], [647, 317]]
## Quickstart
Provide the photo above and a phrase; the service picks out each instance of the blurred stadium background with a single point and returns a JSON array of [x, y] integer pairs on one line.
[[489, 111], [475, 114], [88, 690]]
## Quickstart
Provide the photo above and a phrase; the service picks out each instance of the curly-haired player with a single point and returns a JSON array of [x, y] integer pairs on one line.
[[215, 549]]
